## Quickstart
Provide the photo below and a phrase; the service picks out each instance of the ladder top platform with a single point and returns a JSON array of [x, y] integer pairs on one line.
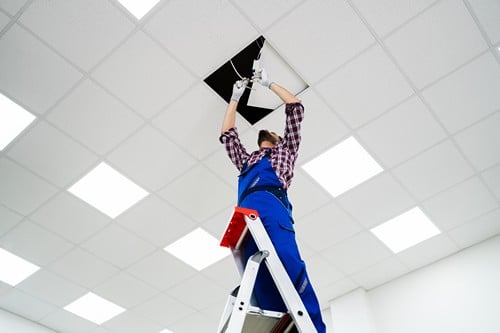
[[237, 227]]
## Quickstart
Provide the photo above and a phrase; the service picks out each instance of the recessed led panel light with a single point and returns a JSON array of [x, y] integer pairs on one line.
[[13, 120], [198, 249], [165, 331], [108, 190], [343, 167], [14, 269], [94, 308], [139, 8], [406, 230]]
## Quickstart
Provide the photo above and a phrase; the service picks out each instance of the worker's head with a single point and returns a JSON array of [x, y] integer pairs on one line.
[[268, 139]]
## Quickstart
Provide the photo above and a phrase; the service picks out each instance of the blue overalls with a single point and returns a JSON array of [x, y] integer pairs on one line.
[[259, 188]]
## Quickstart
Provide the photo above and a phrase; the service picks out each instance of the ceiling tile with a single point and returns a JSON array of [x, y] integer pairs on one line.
[[480, 142], [428, 251], [402, 132], [433, 171], [487, 13], [161, 270], [150, 159], [380, 273], [52, 155], [143, 75], [31, 72], [67, 322], [51, 288], [25, 305], [224, 273], [12, 6], [376, 200], [216, 225], [199, 321], [492, 179], [218, 30], [264, 12], [436, 42], [118, 246], [95, 24], [459, 204], [387, 15], [356, 253], [200, 112], [199, 205], [477, 230], [156, 221], [70, 218], [83, 268], [466, 95], [321, 272], [4, 20], [131, 322], [164, 309], [334, 290], [34, 243], [9, 219], [371, 75], [325, 227], [308, 24], [93, 117], [198, 292], [303, 188]]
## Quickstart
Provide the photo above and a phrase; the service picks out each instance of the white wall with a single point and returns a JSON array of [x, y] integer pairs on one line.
[[10, 323], [459, 294]]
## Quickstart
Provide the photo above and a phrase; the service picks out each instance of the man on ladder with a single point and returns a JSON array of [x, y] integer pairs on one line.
[[265, 177]]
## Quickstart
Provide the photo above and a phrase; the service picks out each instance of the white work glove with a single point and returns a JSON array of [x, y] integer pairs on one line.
[[263, 78], [238, 89]]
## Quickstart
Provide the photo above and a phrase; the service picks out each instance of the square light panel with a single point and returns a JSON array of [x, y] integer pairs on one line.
[[406, 230], [198, 249], [94, 308], [14, 269], [13, 120], [108, 190], [138, 8], [343, 167]]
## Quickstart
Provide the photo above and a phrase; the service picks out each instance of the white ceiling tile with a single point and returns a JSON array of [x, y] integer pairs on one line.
[[52, 155], [100, 329], [480, 142], [325, 227], [199, 321], [321, 272], [12, 6], [131, 322], [118, 246], [197, 202], [156, 221], [466, 95], [51, 288], [371, 75], [380, 273], [33, 73], [385, 16], [70, 218], [434, 170], [95, 24], [436, 42], [308, 25], [83, 268], [265, 12], [492, 179], [150, 159], [198, 292], [402, 132], [4, 20], [66, 322], [200, 112], [224, 273], [334, 290], [35, 244], [376, 200], [303, 188], [161, 270], [192, 28], [487, 13], [93, 117], [356, 253], [25, 305], [9, 219], [164, 309], [459, 204], [216, 225], [477, 230], [143, 75], [428, 251], [126, 290]]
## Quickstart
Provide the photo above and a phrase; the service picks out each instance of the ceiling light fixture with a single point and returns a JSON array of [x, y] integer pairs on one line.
[[14, 269], [94, 308], [138, 8], [13, 120]]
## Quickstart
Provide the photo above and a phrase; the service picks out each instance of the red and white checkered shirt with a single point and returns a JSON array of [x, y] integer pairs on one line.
[[282, 156]]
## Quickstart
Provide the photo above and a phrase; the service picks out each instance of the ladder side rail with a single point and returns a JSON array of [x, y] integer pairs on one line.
[[282, 280]]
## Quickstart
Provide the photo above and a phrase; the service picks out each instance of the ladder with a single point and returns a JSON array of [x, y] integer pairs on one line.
[[241, 314]]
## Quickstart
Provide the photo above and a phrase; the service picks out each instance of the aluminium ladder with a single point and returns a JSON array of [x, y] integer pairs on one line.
[[241, 315]]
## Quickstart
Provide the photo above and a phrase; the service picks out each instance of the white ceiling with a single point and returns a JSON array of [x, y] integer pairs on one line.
[[417, 83]]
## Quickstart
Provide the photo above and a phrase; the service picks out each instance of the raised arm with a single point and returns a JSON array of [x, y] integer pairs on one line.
[[230, 115]]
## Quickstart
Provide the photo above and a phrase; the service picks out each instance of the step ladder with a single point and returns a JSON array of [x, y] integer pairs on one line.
[[241, 314]]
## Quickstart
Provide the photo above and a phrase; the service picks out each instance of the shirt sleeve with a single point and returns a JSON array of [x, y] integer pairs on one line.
[[234, 148], [294, 115]]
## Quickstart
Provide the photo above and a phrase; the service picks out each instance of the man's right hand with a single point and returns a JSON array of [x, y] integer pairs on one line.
[[238, 89]]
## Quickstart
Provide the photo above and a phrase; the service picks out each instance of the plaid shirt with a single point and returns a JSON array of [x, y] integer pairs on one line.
[[282, 157]]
